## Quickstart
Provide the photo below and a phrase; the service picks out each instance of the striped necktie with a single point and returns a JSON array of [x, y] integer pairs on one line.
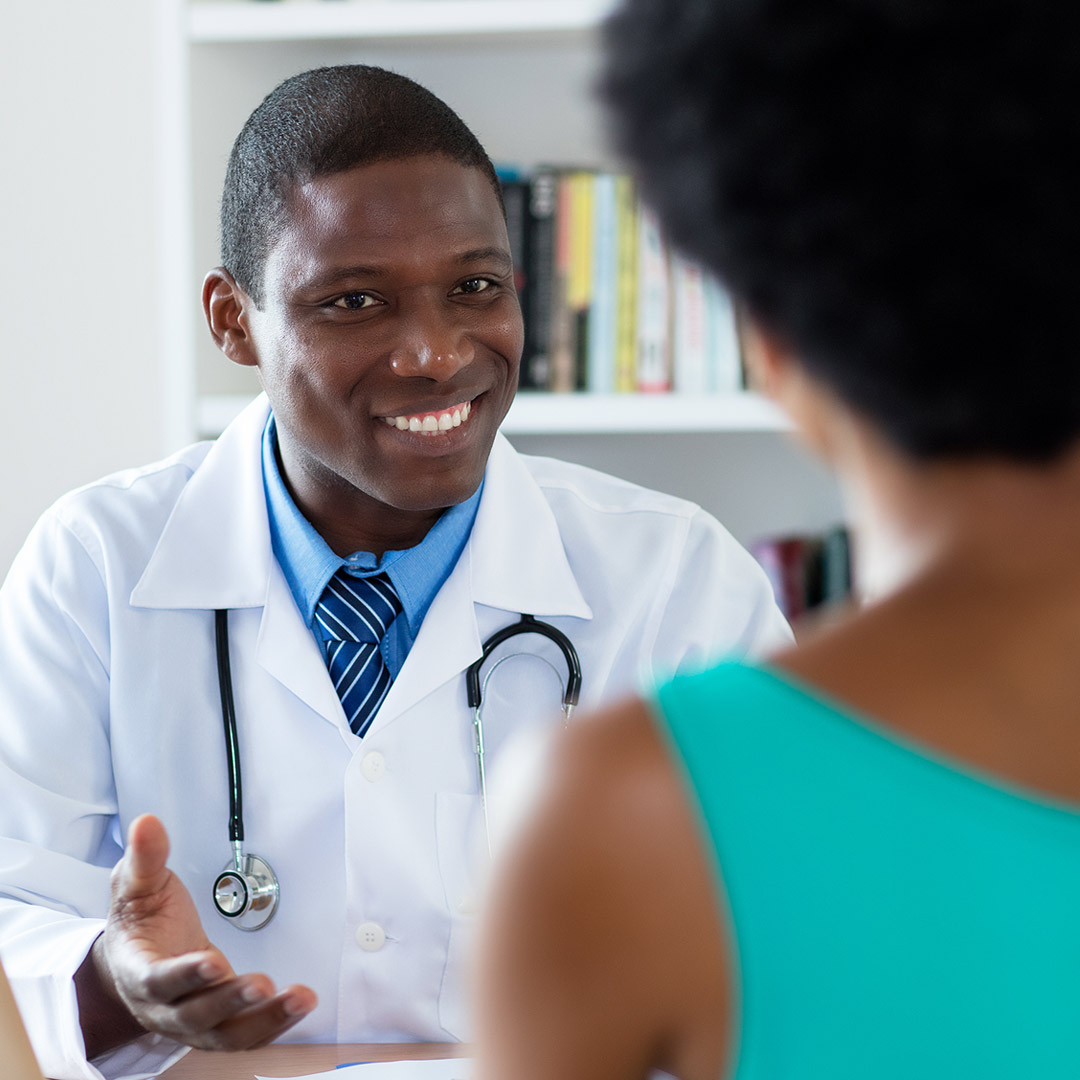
[[353, 614]]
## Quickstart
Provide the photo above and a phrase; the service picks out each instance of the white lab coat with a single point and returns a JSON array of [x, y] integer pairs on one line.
[[109, 708]]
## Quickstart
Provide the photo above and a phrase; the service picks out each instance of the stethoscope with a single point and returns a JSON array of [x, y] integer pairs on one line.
[[527, 624], [246, 892]]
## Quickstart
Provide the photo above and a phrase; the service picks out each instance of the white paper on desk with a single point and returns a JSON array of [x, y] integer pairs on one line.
[[436, 1069]]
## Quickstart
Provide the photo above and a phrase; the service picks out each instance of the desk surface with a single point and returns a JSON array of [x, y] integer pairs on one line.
[[300, 1059]]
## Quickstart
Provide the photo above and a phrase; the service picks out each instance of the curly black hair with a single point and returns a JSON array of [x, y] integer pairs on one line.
[[888, 185], [321, 122]]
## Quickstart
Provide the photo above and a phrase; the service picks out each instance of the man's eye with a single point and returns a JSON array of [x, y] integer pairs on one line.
[[475, 285], [354, 301]]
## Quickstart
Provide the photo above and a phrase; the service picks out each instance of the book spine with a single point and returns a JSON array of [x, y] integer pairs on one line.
[[561, 342], [540, 281], [724, 366], [626, 233], [579, 287], [785, 560], [689, 335], [653, 374], [600, 364], [515, 194]]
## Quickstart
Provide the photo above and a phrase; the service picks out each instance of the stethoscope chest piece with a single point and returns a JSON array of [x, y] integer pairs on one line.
[[246, 893]]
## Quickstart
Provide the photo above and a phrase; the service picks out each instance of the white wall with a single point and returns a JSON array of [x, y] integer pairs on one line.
[[80, 389]]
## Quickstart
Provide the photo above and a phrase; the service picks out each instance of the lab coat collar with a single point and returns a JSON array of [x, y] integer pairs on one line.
[[514, 561], [518, 560], [214, 551]]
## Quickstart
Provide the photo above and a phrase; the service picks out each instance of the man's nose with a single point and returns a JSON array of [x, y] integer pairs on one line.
[[431, 344]]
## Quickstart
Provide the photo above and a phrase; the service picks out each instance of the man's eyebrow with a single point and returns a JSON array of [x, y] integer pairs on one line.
[[342, 274], [488, 254]]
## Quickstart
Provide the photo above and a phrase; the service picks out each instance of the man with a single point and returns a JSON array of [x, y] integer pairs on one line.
[[367, 277]]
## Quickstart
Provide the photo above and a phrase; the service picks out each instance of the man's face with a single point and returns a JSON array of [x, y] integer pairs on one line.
[[389, 337]]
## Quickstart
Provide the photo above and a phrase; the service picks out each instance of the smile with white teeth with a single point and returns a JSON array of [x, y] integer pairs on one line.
[[433, 423]]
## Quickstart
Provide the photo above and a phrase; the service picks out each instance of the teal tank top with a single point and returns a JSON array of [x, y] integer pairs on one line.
[[895, 915]]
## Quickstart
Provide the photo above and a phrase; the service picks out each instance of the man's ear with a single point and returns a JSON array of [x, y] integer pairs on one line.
[[227, 309]]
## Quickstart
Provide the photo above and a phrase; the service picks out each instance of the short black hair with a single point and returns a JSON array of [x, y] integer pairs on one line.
[[890, 186], [322, 122]]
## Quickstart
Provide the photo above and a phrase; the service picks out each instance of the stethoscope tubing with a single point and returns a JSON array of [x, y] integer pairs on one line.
[[527, 624], [228, 715], [266, 883]]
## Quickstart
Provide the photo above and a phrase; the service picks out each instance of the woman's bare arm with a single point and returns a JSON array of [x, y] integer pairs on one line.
[[602, 954]]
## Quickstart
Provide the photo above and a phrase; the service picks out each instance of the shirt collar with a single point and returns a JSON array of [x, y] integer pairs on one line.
[[308, 562]]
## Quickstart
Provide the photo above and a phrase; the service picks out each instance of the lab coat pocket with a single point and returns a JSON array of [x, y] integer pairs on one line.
[[462, 860]]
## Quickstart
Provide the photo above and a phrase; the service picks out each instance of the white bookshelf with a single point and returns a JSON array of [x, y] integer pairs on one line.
[[217, 21], [535, 413], [520, 73]]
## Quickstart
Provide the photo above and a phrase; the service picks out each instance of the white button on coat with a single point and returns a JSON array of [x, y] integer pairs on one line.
[[370, 936], [373, 766]]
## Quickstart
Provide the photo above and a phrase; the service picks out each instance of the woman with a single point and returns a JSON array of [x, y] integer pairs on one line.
[[860, 859]]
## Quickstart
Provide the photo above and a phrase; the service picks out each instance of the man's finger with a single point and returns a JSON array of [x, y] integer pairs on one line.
[[262, 1023], [142, 869], [175, 977]]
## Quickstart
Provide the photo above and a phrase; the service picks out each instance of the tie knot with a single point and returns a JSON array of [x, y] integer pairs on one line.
[[357, 609]]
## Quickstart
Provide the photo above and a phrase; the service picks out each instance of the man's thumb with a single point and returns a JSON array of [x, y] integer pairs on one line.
[[142, 870]]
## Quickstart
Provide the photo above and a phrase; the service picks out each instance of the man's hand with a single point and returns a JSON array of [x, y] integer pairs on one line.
[[154, 969]]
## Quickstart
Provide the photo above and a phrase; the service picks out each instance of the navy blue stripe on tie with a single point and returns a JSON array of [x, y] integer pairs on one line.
[[354, 614]]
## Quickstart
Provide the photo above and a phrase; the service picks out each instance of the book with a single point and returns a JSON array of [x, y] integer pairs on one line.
[[515, 192], [725, 364], [626, 233], [791, 565], [603, 304], [562, 378], [689, 327], [653, 370], [539, 280], [806, 572], [580, 276]]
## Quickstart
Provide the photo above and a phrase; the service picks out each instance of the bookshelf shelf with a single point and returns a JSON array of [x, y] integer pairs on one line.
[[223, 21], [585, 414]]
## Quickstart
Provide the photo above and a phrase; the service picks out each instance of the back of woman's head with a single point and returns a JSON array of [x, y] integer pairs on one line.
[[890, 186]]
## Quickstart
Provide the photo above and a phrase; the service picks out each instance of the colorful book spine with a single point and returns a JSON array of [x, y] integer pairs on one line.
[[579, 288], [600, 361], [653, 369], [689, 327], [626, 295], [562, 378]]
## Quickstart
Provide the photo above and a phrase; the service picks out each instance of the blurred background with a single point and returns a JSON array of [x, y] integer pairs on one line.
[[117, 121]]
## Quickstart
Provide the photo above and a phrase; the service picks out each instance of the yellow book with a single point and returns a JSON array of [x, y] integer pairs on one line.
[[626, 231]]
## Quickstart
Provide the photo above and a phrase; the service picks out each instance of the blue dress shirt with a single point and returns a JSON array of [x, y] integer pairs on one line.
[[308, 562]]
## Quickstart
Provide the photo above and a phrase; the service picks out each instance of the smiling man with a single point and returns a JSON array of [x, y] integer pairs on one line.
[[338, 558]]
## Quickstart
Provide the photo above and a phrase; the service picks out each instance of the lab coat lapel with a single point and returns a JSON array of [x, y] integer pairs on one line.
[[287, 649], [514, 561], [519, 561], [448, 642], [215, 552]]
